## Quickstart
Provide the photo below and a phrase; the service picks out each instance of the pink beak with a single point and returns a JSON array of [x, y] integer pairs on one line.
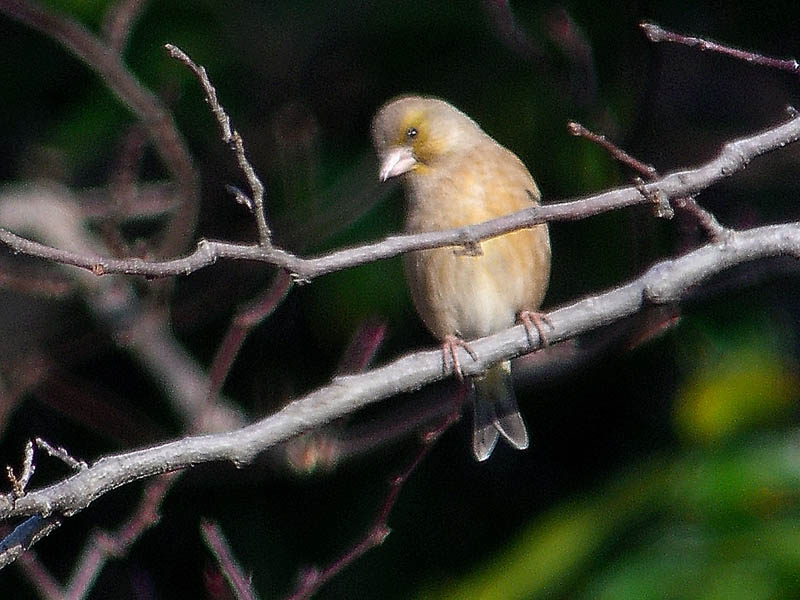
[[396, 161]]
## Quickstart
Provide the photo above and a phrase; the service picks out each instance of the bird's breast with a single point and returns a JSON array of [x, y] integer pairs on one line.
[[473, 295]]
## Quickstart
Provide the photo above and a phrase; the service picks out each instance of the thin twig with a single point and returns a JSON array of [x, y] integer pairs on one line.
[[246, 319], [232, 138], [311, 580], [20, 482], [107, 62], [363, 346], [100, 547], [123, 189], [103, 545], [707, 221], [240, 585], [324, 447], [656, 34], [25, 535], [62, 455], [647, 171]]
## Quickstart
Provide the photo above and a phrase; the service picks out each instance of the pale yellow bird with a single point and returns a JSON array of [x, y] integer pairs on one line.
[[454, 175]]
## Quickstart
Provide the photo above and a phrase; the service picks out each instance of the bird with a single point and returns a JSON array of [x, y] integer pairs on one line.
[[454, 175]]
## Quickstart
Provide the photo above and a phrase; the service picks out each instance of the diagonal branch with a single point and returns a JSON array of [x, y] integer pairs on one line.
[[25, 535], [688, 204], [664, 282], [239, 583]]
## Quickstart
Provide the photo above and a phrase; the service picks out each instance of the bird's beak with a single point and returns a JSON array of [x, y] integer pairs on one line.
[[396, 161]]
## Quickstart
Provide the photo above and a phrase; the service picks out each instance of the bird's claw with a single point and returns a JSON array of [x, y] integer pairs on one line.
[[450, 349], [535, 320]]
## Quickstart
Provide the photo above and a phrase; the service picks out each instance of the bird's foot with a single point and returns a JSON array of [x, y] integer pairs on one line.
[[450, 353], [535, 320]]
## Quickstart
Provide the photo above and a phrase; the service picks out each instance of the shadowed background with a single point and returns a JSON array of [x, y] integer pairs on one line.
[[668, 470]]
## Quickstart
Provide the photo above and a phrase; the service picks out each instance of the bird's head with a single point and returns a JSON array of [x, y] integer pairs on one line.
[[413, 134]]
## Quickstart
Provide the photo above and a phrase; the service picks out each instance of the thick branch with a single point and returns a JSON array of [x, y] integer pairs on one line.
[[734, 156], [664, 282]]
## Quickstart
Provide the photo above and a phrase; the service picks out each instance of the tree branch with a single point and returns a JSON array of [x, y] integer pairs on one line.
[[239, 583], [232, 138], [658, 34], [664, 282], [313, 578], [25, 535], [688, 204], [106, 61], [51, 214], [733, 157]]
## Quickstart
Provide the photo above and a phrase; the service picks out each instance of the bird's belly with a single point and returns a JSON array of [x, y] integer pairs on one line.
[[483, 305], [465, 295]]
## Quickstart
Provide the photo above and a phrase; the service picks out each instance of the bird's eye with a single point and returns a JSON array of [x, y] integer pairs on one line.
[[411, 133]]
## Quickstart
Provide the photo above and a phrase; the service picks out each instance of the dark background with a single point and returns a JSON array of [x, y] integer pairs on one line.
[[668, 470]]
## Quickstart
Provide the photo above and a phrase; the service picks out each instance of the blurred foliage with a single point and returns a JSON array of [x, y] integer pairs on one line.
[[735, 386], [708, 523], [667, 471]]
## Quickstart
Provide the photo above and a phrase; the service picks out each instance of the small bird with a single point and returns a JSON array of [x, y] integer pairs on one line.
[[455, 175]]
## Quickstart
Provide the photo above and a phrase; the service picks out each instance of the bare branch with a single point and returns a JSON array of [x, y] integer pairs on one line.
[[735, 155], [326, 446], [247, 317], [687, 204], [311, 580], [617, 153], [232, 138], [656, 34], [705, 219], [50, 213], [104, 545], [62, 455], [25, 535], [363, 347], [663, 283], [107, 62], [241, 586], [20, 482]]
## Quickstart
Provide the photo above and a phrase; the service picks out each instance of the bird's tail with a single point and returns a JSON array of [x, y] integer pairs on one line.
[[496, 412]]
